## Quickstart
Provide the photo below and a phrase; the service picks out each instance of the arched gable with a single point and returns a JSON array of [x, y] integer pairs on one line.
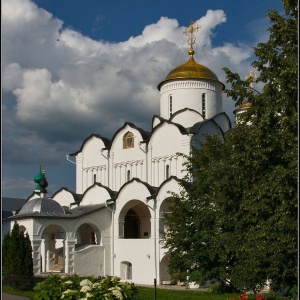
[[93, 135], [208, 127], [165, 189], [65, 197], [96, 194], [128, 158], [134, 189], [91, 152], [168, 138], [223, 121], [139, 136], [187, 117]]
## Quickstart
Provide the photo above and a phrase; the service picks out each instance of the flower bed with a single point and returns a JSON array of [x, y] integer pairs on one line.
[[84, 288]]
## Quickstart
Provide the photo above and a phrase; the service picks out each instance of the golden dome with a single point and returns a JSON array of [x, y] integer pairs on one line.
[[191, 70], [244, 106]]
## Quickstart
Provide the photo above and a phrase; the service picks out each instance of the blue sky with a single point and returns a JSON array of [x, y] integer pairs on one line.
[[73, 68]]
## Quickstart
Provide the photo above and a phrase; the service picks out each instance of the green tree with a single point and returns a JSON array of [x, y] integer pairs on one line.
[[238, 220], [27, 257], [5, 254], [17, 253]]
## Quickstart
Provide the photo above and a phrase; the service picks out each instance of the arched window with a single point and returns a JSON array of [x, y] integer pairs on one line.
[[128, 175], [126, 270], [95, 178], [203, 104], [128, 140], [167, 171], [170, 105]]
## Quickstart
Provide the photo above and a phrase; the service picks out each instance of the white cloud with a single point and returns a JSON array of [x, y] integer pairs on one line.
[[11, 77], [67, 86], [235, 54]]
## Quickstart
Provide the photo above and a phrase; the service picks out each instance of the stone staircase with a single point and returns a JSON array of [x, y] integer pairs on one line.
[[58, 265]]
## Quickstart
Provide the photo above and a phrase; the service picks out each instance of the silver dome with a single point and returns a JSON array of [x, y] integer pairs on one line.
[[43, 207]]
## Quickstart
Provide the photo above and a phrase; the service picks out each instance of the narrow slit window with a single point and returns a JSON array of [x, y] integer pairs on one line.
[[128, 175], [204, 105], [95, 178], [171, 105], [167, 171]]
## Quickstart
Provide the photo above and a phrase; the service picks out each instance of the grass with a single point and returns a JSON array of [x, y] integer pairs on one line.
[[9, 290], [166, 294], [146, 293]]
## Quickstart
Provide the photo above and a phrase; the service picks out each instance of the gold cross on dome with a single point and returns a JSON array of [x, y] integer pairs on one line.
[[190, 32], [252, 76]]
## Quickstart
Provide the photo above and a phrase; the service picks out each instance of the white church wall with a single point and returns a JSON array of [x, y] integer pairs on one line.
[[91, 153], [27, 224], [138, 252], [101, 222], [64, 198], [126, 163], [187, 118], [79, 173], [132, 191], [188, 93], [90, 261], [95, 195], [164, 145], [166, 191], [93, 163]]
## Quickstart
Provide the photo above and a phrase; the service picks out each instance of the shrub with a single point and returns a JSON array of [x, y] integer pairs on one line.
[[75, 287], [219, 288]]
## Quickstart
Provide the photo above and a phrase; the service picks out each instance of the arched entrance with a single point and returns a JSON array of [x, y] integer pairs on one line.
[[165, 277], [53, 252], [165, 209], [134, 221], [87, 234]]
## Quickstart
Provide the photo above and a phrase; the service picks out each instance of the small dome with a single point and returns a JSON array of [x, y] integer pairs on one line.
[[244, 106], [42, 206], [191, 70]]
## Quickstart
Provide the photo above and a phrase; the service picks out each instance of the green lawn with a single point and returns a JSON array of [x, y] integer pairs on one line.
[[166, 294], [146, 293], [9, 290]]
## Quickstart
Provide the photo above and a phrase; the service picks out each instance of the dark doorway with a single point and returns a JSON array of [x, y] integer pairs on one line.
[[132, 225]]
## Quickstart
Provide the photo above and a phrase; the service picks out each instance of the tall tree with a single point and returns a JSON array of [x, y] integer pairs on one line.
[[5, 254], [237, 221], [27, 256], [17, 253]]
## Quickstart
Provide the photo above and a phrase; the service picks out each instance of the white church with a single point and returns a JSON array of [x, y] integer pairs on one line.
[[114, 221]]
